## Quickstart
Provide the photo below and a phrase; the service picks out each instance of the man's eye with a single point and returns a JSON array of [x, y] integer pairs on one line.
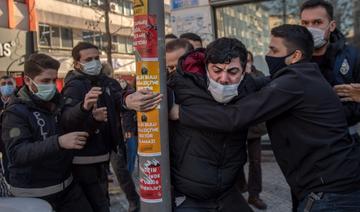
[[217, 70], [234, 71]]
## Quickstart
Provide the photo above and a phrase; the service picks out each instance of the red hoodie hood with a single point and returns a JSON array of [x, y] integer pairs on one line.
[[194, 62]]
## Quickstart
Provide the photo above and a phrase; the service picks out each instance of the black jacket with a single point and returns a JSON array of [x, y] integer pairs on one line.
[[104, 136], [336, 46], [204, 163], [306, 125], [30, 133], [129, 118]]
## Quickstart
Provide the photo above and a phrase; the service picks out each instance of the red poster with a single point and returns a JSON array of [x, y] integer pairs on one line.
[[150, 182], [145, 36]]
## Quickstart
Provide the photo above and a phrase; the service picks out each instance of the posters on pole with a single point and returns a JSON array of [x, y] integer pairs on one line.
[[140, 7], [146, 37], [148, 77], [150, 181]]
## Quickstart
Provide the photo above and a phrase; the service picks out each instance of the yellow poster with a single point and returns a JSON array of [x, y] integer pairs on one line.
[[148, 77], [140, 7]]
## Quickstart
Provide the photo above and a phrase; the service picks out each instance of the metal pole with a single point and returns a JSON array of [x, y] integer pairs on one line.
[[153, 150]]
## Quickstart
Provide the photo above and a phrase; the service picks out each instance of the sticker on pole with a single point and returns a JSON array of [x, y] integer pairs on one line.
[[148, 77], [145, 37], [150, 181], [140, 7]]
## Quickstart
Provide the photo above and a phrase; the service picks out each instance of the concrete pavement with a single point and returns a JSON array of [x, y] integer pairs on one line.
[[276, 192]]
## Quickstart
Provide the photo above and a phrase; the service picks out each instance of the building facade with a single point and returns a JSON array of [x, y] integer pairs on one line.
[[17, 34], [61, 24]]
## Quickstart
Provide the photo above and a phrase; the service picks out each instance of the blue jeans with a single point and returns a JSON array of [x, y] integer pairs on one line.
[[334, 202], [131, 145]]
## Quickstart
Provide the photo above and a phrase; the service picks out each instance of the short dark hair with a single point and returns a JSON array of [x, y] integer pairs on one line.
[[81, 46], [36, 64], [191, 36], [318, 3], [295, 37], [179, 44], [223, 50], [170, 36]]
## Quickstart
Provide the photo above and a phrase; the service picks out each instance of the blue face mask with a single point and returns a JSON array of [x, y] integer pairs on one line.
[[7, 90], [92, 68], [44, 92], [276, 63]]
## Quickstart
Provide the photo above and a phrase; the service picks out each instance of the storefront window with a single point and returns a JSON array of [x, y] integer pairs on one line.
[[98, 39], [66, 38], [44, 32], [55, 36], [121, 44], [127, 8], [88, 36], [129, 45]]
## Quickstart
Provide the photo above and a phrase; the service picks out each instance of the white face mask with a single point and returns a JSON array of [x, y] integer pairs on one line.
[[318, 37], [92, 68], [44, 92], [123, 85], [223, 93]]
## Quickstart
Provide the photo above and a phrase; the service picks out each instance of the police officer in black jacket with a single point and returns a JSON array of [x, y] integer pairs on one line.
[[93, 103], [38, 156], [339, 62], [305, 121]]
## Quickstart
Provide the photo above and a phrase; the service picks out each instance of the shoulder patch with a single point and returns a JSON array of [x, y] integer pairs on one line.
[[68, 100], [14, 132], [345, 67]]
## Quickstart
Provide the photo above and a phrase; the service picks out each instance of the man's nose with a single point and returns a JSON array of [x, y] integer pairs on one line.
[[224, 78]]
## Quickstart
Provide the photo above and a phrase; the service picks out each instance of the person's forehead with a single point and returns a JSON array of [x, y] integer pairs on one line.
[[89, 53], [47, 74], [314, 13], [276, 42], [175, 55], [235, 62]]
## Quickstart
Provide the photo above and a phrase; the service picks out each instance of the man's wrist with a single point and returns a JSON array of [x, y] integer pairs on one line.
[[82, 108]]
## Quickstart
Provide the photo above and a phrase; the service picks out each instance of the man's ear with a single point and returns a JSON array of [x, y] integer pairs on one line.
[[332, 25], [77, 65], [296, 57], [27, 81]]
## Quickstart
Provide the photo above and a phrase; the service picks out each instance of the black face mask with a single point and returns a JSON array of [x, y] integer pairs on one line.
[[276, 63]]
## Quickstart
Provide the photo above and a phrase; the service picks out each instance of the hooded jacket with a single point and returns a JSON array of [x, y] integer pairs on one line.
[[204, 163], [30, 133], [103, 136], [306, 125]]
